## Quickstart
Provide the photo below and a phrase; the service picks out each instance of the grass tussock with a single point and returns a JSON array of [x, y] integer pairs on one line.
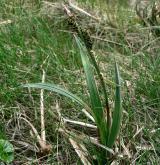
[[37, 45]]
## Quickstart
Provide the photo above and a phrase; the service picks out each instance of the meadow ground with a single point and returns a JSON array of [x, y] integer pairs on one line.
[[34, 37]]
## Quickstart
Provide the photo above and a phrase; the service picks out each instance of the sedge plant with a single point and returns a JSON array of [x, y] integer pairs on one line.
[[108, 127]]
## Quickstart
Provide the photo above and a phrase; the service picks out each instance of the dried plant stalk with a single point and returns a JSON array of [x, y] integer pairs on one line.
[[43, 134]]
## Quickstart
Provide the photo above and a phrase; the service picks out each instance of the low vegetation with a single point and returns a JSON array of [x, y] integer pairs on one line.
[[79, 83]]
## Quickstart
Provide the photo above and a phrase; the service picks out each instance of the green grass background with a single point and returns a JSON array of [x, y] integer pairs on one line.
[[32, 38]]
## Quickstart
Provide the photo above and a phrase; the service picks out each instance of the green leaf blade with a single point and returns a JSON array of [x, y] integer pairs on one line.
[[117, 114], [93, 92], [57, 89]]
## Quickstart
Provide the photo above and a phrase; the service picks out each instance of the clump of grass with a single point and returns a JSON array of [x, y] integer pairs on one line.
[[107, 131]]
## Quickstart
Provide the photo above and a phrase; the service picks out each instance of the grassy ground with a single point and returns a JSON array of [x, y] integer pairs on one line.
[[33, 40]]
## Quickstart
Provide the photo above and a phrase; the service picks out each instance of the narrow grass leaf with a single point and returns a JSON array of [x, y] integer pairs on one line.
[[94, 95], [100, 78], [59, 90], [104, 91], [117, 114]]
